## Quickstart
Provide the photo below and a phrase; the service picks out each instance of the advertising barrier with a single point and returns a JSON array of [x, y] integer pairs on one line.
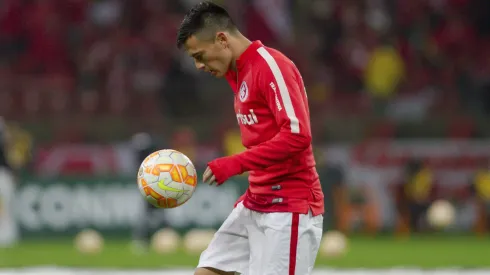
[[64, 206], [52, 204]]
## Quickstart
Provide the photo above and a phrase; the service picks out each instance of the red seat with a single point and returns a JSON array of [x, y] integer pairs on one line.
[[461, 128]]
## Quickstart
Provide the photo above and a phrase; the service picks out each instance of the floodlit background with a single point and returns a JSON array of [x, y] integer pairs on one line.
[[399, 96]]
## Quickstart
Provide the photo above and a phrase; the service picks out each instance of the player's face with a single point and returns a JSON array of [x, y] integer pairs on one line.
[[213, 56]]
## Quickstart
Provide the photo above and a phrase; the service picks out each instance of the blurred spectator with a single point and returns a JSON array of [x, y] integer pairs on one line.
[[4, 139], [143, 145], [79, 59], [349, 207], [480, 188], [185, 140], [179, 95], [232, 142], [383, 74], [413, 196], [20, 148], [336, 197]]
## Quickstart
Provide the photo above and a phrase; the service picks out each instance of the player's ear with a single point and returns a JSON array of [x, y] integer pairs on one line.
[[222, 39]]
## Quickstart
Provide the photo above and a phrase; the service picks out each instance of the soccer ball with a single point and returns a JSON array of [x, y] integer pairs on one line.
[[165, 241], [89, 241], [167, 178], [441, 214], [334, 244], [197, 240]]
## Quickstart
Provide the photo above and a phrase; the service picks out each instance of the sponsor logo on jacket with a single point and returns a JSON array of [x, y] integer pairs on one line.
[[247, 119], [273, 86]]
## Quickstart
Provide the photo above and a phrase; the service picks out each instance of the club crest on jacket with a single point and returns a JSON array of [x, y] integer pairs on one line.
[[243, 93]]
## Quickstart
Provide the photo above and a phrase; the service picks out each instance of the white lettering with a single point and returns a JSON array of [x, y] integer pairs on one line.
[[82, 206], [247, 119], [208, 207], [26, 202], [278, 103], [283, 89], [102, 213], [54, 207], [61, 206], [113, 205], [123, 213]]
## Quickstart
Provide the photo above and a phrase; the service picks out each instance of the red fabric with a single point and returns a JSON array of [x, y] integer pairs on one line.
[[293, 247], [11, 19], [273, 114], [257, 27], [45, 29]]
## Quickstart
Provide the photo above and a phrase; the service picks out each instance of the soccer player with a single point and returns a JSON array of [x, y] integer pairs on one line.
[[276, 226], [143, 145]]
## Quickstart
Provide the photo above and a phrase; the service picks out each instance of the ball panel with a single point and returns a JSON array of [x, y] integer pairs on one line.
[[188, 188], [190, 169], [150, 160], [169, 188], [152, 201], [142, 192], [160, 168], [141, 186], [183, 199], [164, 159], [153, 193], [183, 171], [179, 158], [150, 177], [147, 190], [175, 174], [191, 180], [167, 202], [140, 172]]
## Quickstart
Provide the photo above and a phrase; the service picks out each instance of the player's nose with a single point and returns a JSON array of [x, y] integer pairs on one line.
[[199, 65]]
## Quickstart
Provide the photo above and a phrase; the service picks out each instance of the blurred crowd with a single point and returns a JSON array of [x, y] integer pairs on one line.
[[404, 58], [95, 71], [414, 190], [76, 60]]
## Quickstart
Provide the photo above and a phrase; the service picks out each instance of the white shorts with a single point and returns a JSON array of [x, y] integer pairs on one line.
[[254, 243]]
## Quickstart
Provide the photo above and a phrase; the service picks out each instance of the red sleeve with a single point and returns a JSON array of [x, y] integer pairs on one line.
[[284, 92]]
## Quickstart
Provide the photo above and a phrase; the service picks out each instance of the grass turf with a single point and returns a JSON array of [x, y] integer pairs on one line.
[[379, 252]]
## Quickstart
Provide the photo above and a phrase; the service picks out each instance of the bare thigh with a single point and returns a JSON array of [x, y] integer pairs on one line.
[[211, 271]]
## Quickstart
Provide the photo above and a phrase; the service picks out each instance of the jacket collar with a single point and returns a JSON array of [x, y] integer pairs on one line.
[[248, 53]]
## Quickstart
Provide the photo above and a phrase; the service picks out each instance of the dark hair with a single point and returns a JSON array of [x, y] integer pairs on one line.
[[414, 165], [205, 16]]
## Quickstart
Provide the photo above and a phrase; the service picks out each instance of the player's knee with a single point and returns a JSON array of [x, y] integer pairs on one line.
[[211, 271]]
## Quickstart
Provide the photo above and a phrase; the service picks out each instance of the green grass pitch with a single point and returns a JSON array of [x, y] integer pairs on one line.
[[364, 252]]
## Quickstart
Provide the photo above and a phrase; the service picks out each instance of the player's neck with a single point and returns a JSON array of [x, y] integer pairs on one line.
[[240, 45]]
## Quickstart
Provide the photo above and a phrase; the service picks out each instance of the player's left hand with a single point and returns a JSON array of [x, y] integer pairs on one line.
[[208, 176], [221, 169]]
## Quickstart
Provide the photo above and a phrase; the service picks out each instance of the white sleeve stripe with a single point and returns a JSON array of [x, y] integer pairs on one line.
[[283, 89]]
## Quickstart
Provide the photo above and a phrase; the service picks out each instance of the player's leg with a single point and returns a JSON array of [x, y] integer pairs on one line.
[[417, 216], [288, 246], [142, 230], [486, 212], [228, 251], [212, 271]]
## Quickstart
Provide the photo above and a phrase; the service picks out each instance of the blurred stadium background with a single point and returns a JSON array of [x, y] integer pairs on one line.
[[400, 102]]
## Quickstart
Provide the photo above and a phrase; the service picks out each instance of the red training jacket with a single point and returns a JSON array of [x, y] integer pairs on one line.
[[272, 110]]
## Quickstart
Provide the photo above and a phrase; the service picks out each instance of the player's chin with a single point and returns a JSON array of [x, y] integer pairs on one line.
[[217, 74]]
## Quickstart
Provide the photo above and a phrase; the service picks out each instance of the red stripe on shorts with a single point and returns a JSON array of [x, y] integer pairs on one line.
[[293, 247]]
